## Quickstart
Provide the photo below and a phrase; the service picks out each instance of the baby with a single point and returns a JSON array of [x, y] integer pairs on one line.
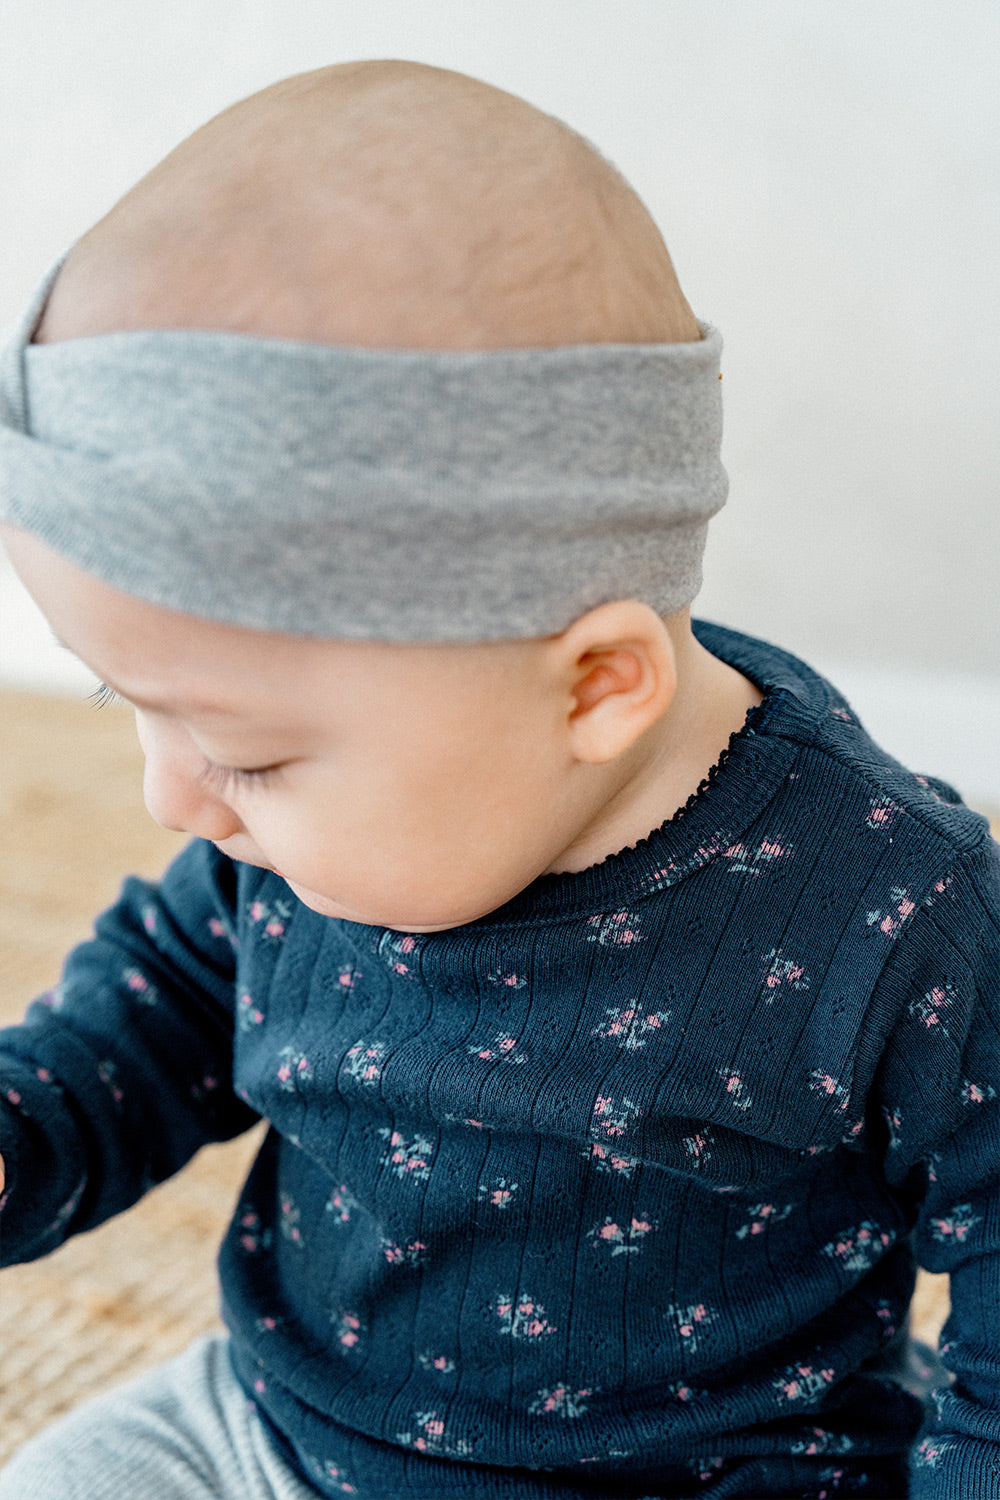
[[625, 1020]]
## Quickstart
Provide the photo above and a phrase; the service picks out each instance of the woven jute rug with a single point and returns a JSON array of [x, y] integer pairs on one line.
[[113, 1302]]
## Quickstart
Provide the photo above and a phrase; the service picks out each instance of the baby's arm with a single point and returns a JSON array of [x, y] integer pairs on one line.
[[942, 1110], [117, 1077]]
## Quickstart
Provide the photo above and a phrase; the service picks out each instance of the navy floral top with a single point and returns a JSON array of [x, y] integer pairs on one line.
[[617, 1191]]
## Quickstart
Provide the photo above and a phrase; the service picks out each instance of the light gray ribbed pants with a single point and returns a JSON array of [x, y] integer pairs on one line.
[[182, 1431]]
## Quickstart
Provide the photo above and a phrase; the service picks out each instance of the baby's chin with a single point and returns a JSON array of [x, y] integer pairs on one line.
[[325, 906]]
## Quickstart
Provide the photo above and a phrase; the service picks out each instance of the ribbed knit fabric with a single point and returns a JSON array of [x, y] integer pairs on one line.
[[184, 1430], [614, 1192]]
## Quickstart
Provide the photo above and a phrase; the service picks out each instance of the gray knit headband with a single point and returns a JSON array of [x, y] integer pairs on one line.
[[384, 495]]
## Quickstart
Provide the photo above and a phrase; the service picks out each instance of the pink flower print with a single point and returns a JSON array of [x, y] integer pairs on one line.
[[500, 1049], [331, 1473], [929, 1453], [782, 973], [148, 915], [690, 1321], [610, 1119], [894, 1121], [407, 1158], [976, 1093], [107, 1072], [625, 1238], [438, 1363], [348, 1328], [617, 928], [341, 1204], [140, 986], [956, 1227], [267, 1325], [560, 1401], [735, 1088], [522, 1317], [399, 950], [753, 862], [271, 918], [762, 1216], [294, 1070], [698, 1147], [348, 977], [253, 1237], [429, 1435], [832, 1477], [511, 981], [882, 814], [825, 1083], [676, 870], [883, 1311], [931, 1008], [679, 1390], [498, 1194], [364, 1062], [923, 781], [938, 889], [802, 1382], [289, 1222], [607, 1160], [892, 919], [858, 1248], [248, 1015], [411, 1254], [821, 1441], [630, 1026], [13, 1097]]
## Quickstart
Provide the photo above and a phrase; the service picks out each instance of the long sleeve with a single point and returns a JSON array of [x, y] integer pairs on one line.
[[118, 1075], [942, 1119]]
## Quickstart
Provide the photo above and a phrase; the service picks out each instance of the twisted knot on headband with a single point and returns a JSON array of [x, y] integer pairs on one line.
[[370, 494]]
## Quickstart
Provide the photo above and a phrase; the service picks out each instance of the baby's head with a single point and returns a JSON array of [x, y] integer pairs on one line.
[[419, 775], [382, 204]]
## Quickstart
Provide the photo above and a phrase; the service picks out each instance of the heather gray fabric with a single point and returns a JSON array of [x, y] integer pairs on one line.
[[182, 1431], [345, 492]]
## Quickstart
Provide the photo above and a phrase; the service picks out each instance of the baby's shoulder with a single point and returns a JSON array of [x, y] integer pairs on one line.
[[839, 765]]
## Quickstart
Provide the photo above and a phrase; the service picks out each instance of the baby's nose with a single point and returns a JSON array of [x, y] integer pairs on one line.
[[174, 791], [176, 801]]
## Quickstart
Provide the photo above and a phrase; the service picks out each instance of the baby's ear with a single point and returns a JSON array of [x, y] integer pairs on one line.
[[621, 670]]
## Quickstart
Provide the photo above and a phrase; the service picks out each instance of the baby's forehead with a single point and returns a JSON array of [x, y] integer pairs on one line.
[[170, 661]]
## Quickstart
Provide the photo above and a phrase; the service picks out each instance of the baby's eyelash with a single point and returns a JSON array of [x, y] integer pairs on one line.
[[223, 779], [102, 695]]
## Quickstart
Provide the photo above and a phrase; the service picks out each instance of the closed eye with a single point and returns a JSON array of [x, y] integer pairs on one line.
[[219, 779], [223, 779]]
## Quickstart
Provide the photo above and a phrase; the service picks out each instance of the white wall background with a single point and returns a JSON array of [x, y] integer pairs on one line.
[[825, 173]]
